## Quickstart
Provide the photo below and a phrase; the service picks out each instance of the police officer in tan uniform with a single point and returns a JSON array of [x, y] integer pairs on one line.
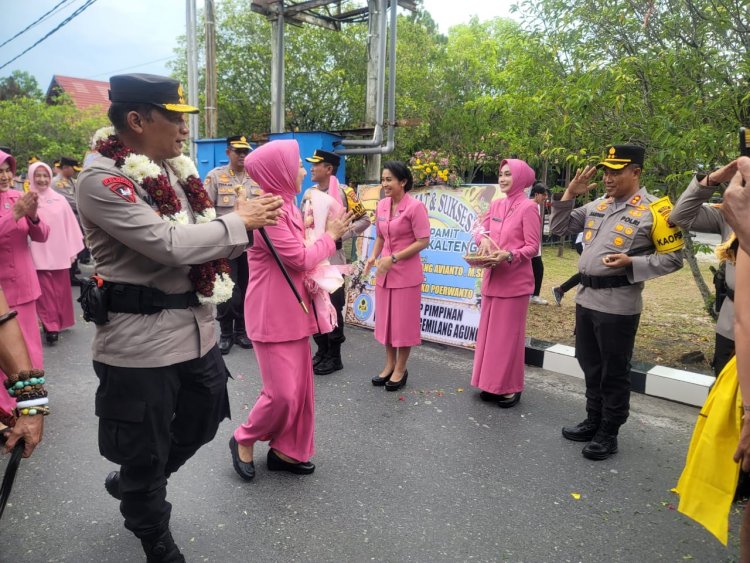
[[162, 380], [325, 164], [692, 213], [64, 183], [628, 240], [223, 183]]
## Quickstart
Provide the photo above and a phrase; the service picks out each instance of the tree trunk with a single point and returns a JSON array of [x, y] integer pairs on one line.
[[692, 261]]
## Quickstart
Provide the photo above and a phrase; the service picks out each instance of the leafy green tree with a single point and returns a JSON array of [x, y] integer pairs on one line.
[[19, 84]]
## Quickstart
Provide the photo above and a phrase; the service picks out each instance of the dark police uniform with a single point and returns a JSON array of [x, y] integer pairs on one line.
[[608, 301], [222, 184], [327, 358], [162, 381], [692, 213]]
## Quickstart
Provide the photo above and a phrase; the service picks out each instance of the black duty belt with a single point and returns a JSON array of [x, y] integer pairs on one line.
[[604, 282], [141, 300], [730, 293]]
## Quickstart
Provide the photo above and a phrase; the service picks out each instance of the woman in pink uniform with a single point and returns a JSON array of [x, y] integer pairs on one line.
[[403, 231], [513, 224], [278, 327], [54, 257], [18, 222]]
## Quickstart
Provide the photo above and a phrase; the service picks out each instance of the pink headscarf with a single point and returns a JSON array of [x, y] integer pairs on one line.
[[66, 238], [12, 161], [523, 175], [275, 166]]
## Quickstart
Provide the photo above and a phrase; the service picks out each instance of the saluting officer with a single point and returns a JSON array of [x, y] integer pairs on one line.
[[327, 358], [223, 184], [628, 240], [162, 381], [692, 213]]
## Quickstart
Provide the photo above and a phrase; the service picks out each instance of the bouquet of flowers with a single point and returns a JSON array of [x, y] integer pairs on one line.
[[431, 168]]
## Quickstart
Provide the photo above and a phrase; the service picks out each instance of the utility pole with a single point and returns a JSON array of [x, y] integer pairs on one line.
[[372, 161], [192, 72], [211, 105], [277, 69]]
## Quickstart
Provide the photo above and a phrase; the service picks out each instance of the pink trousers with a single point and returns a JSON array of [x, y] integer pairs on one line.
[[284, 413], [55, 305], [397, 316], [30, 330], [501, 345]]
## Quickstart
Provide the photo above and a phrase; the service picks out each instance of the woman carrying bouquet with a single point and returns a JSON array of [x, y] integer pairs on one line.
[[510, 239]]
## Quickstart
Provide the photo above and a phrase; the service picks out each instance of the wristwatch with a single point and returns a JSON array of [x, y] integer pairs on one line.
[[509, 259], [393, 258]]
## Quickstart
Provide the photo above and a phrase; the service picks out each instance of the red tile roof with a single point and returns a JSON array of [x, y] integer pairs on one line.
[[84, 93]]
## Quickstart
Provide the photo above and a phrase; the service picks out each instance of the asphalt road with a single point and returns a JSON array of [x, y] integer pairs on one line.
[[430, 474]]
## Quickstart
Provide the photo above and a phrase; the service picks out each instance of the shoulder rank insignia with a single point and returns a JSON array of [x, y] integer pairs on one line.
[[666, 237], [121, 186], [636, 199]]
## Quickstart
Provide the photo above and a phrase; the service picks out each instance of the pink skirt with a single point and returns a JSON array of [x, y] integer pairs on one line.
[[30, 330], [284, 413], [501, 345], [397, 316], [55, 305]]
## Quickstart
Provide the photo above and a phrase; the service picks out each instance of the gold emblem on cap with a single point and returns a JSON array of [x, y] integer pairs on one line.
[[180, 94], [611, 152]]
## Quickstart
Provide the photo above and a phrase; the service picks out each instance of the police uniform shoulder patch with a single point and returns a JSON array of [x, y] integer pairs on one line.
[[665, 236], [121, 187]]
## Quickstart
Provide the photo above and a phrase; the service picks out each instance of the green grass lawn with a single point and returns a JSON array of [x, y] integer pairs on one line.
[[673, 321]]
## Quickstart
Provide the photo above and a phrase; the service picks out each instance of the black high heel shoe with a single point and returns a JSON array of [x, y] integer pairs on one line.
[[275, 463], [396, 385], [378, 381], [244, 469], [508, 402]]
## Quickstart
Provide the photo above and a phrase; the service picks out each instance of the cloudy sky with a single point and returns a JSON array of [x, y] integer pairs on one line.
[[114, 36]]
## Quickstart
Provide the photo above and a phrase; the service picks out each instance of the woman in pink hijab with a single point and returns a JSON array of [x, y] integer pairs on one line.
[[20, 221], [513, 225], [276, 323], [54, 257]]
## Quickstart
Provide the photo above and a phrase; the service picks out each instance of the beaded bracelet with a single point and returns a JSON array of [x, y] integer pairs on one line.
[[5, 317], [22, 376], [33, 411]]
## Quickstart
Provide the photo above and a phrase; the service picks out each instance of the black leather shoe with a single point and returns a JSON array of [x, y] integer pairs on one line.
[[162, 549], [583, 431], [391, 385], [52, 337], [489, 397], [225, 344], [328, 365], [112, 484], [244, 469], [378, 381], [318, 357], [275, 463], [243, 341], [601, 446], [508, 402]]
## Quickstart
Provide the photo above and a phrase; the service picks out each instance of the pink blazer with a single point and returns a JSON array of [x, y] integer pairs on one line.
[[410, 223], [17, 272], [272, 312], [514, 224]]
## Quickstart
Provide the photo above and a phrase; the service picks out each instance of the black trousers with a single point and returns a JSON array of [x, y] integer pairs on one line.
[[571, 282], [723, 352], [151, 421], [604, 347], [538, 267], [231, 314], [336, 337]]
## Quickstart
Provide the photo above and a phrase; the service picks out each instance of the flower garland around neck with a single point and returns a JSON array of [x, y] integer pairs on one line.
[[211, 280]]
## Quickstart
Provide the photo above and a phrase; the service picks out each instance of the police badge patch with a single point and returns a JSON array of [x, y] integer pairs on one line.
[[121, 186]]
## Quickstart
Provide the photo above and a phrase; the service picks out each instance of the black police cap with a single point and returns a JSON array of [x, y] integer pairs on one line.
[[324, 156], [619, 156], [238, 142], [66, 161], [159, 91]]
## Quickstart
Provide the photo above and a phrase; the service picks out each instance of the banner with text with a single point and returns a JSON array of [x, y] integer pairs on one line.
[[451, 288]]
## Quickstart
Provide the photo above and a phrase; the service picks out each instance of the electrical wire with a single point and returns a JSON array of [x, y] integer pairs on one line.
[[63, 23], [38, 21]]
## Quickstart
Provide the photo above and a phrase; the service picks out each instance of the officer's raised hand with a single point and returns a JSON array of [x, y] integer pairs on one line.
[[581, 183], [736, 205], [723, 174], [260, 211]]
